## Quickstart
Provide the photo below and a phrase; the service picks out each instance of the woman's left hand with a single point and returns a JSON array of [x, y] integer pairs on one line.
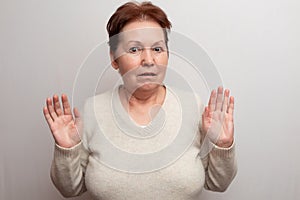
[[217, 118]]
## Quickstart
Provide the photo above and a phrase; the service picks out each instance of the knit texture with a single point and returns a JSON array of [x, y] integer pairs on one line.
[[87, 166]]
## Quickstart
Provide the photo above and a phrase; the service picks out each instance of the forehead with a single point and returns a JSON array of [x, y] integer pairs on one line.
[[142, 31]]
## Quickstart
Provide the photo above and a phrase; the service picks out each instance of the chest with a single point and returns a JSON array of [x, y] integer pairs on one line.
[[182, 179]]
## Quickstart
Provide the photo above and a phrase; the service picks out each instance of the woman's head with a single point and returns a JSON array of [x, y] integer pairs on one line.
[[138, 44], [134, 11]]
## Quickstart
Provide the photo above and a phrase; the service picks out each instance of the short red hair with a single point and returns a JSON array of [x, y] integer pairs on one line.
[[133, 11]]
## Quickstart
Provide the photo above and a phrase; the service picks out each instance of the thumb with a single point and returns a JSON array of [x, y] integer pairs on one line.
[[205, 112], [77, 115], [78, 122]]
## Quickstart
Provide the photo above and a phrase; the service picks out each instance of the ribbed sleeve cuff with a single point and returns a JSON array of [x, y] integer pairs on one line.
[[224, 152], [67, 152]]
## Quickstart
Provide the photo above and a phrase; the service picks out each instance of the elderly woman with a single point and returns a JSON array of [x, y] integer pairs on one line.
[[139, 52]]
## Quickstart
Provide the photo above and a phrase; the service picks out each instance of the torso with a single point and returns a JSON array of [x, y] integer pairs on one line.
[[183, 178]]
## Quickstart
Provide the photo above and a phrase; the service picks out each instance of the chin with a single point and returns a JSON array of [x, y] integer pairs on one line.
[[149, 86], [142, 85]]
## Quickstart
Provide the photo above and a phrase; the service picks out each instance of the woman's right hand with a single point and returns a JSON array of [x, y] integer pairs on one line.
[[65, 129]]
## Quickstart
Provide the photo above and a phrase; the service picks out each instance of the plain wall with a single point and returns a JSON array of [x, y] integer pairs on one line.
[[254, 44]]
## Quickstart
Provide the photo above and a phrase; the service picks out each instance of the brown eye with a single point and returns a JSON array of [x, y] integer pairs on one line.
[[135, 50], [157, 49]]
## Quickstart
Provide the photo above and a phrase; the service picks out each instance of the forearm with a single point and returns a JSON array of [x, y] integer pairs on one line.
[[221, 168], [68, 168]]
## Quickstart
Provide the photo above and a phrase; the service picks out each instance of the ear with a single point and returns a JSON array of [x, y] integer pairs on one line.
[[114, 63]]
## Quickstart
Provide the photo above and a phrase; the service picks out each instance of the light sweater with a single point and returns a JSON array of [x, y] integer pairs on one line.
[[89, 166]]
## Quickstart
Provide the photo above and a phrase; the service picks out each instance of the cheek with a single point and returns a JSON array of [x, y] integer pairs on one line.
[[163, 60], [166, 60], [127, 64]]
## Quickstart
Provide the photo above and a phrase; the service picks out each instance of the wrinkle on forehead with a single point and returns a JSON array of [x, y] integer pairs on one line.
[[145, 36]]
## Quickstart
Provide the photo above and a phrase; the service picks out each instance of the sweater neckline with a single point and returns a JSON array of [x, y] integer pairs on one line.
[[129, 126]]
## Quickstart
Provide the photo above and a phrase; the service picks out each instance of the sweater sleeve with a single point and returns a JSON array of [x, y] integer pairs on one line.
[[220, 168], [220, 164], [68, 169]]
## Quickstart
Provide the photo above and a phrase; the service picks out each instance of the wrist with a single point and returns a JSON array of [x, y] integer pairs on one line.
[[67, 145], [226, 144]]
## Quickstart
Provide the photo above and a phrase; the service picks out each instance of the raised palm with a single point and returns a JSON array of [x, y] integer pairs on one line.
[[65, 129], [217, 118]]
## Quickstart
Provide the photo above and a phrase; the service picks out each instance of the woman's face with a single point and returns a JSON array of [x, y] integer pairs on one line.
[[141, 56]]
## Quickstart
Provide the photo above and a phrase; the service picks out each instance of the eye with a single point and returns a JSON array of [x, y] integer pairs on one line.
[[158, 49], [135, 50]]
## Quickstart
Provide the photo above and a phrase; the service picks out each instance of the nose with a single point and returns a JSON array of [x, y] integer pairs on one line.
[[147, 57]]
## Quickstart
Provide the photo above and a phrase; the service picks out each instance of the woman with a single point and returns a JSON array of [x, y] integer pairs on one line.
[[137, 109]]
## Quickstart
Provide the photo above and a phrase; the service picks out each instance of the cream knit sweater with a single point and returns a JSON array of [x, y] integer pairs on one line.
[[89, 166]]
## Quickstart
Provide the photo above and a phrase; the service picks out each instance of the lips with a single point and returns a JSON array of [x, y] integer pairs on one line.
[[147, 74]]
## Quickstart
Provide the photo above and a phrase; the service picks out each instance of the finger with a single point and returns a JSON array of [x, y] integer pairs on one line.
[[76, 114], [205, 112], [219, 99], [212, 101], [225, 101], [66, 105], [51, 109], [231, 105], [77, 121], [47, 116], [57, 106], [209, 113]]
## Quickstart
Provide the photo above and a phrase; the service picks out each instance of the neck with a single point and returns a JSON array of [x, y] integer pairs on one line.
[[145, 97]]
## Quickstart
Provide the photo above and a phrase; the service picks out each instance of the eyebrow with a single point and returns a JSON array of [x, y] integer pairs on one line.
[[139, 42]]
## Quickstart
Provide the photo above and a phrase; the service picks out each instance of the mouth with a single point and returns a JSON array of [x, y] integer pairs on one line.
[[147, 74]]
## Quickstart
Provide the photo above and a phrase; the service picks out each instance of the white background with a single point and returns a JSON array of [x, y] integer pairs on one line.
[[254, 44]]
